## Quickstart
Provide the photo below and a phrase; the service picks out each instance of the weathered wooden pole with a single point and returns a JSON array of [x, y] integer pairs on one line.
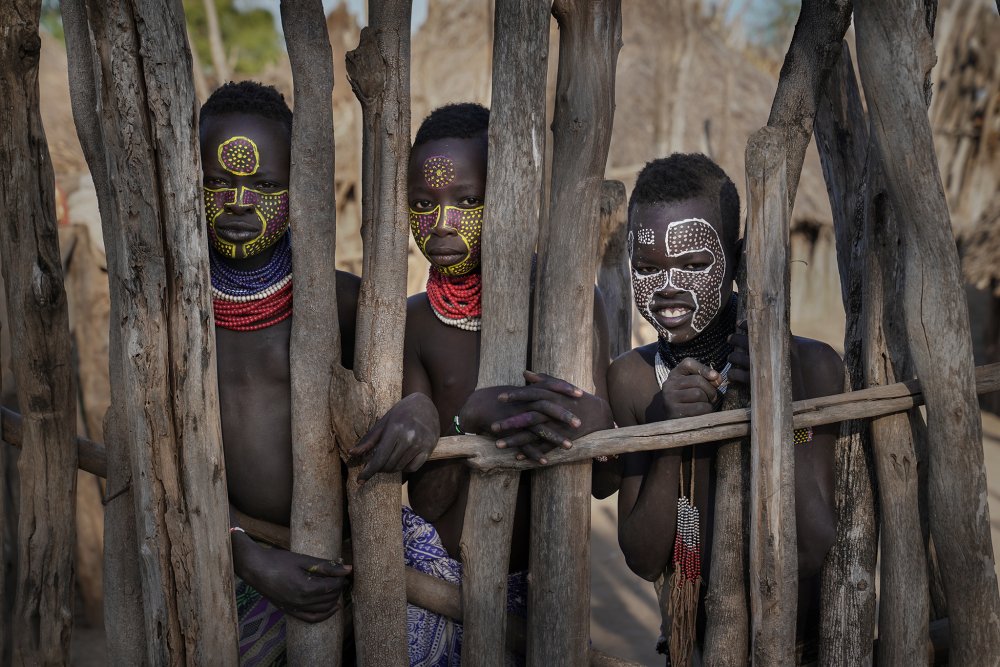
[[379, 70], [613, 275], [773, 555], [812, 53], [40, 352], [314, 348], [853, 173], [559, 564], [124, 620], [727, 632], [895, 55], [847, 613], [514, 176], [167, 461]]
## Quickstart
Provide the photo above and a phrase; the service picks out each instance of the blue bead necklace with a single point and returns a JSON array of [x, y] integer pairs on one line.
[[236, 282]]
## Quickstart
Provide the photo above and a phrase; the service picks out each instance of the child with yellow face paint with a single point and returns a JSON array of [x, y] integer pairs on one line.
[[446, 186], [245, 133]]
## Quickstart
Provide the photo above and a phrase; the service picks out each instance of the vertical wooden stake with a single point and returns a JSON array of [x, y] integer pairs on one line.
[[773, 564], [166, 462], [514, 176], [895, 56], [314, 348], [613, 276], [559, 579], [379, 70], [847, 614], [40, 352]]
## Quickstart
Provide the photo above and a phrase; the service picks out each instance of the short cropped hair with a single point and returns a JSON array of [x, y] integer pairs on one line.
[[247, 97], [454, 121], [689, 176]]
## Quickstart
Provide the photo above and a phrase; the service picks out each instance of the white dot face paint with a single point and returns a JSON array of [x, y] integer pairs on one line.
[[699, 289]]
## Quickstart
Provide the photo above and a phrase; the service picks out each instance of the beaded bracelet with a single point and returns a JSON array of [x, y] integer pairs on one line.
[[458, 428], [233, 529]]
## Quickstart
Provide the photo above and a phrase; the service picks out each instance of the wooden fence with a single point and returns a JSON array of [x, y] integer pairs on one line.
[[168, 594]]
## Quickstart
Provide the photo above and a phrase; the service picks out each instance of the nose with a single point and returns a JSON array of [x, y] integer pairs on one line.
[[241, 204], [441, 226]]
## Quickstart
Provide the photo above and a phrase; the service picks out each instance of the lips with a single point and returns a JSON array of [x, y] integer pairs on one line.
[[671, 314], [445, 255], [236, 229]]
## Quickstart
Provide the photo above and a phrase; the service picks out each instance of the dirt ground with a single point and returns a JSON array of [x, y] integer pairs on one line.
[[624, 617]]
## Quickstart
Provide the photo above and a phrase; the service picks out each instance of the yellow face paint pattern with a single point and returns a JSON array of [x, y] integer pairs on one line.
[[238, 155], [468, 222]]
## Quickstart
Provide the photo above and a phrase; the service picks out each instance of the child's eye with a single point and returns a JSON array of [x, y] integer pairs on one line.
[[644, 270], [695, 266], [421, 205], [269, 185], [471, 202], [216, 183]]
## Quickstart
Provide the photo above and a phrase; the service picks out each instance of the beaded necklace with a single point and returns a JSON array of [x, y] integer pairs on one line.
[[253, 299], [456, 300]]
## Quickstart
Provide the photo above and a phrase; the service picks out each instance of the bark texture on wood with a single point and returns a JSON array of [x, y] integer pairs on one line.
[[515, 175], [42, 619], [904, 610], [727, 603], [895, 54], [847, 614], [379, 71], [812, 53], [773, 555], [143, 152], [613, 276], [314, 347], [559, 564]]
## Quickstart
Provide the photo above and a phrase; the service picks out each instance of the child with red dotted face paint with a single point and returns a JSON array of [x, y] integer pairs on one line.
[[245, 133], [683, 249], [446, 187]]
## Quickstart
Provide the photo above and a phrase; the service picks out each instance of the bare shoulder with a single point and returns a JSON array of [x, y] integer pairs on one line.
[[820, 365], [348, 288], [632, 384]]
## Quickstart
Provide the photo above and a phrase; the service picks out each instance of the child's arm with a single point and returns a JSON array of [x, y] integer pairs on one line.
[[405, 436], [302, 586], [649, 482]]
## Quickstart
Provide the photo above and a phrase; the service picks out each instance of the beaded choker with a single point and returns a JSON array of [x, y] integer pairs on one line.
[[456, 300], [255, 299]]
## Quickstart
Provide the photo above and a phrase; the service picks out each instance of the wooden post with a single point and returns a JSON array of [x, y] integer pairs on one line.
[[904, 609], [514, 176], [143, 152], [559, 565], [812, 53], [773, 564], [40, 353], [727, 632], [895, 55], [847, 614], [314, 348], [614, 277], [379, 71]]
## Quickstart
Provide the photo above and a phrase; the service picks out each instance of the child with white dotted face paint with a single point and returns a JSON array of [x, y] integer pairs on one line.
[[681, 276]]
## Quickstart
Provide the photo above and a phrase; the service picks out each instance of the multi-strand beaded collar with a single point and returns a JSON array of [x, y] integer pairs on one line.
[[255, 299], [456, 300]]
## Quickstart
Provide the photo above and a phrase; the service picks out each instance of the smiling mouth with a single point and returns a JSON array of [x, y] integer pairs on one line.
[[672, 316]]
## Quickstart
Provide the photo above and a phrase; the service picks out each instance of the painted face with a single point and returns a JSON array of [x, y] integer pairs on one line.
[[680, 277], [446, 182], [245, 161]]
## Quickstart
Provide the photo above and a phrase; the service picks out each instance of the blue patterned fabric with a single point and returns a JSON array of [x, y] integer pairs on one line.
[[435, 640]]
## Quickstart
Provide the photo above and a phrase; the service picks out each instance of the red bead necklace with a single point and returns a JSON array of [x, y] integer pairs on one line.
[[457, 298], [256, 314]]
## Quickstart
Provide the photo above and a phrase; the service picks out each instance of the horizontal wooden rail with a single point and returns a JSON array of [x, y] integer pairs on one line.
[[481, 452]]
